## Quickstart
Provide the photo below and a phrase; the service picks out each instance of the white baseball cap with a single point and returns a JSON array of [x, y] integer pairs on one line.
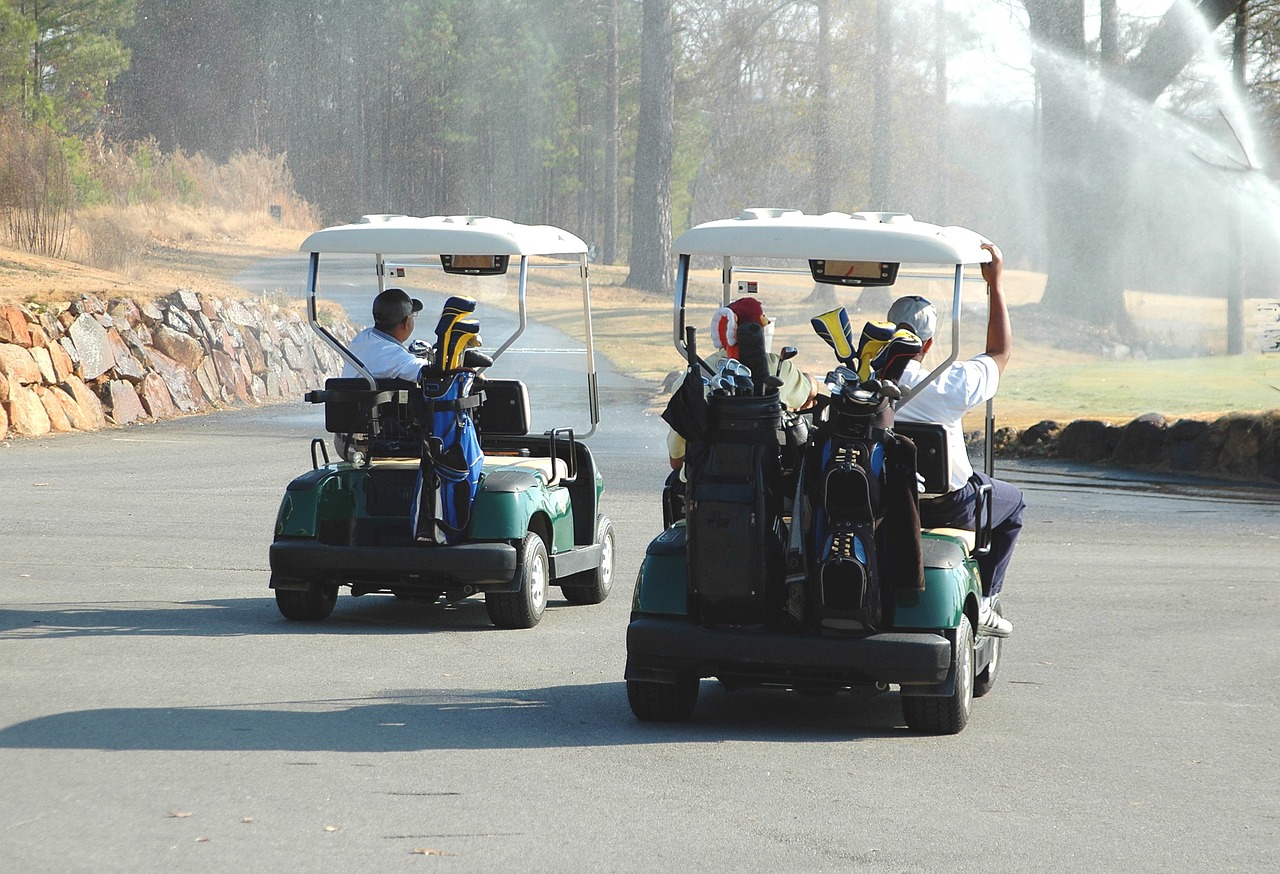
[[915, 313]]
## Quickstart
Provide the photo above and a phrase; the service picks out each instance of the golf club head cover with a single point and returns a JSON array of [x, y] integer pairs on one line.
[[751, 353], [834, 327], [892, 359], [875, 336], [455, 309]]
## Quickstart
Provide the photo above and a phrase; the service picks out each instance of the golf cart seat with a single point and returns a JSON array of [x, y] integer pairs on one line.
[[933, 465], [383, 416]]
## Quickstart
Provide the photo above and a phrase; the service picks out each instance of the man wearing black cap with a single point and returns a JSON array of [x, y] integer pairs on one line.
[[961, 387], [381, 348]]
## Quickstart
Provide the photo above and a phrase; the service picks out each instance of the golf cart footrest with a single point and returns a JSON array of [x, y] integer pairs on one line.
[[655, 644], [470, 563]]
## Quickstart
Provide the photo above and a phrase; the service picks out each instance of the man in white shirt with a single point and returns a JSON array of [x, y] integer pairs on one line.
[[381, 348], [958, 389]]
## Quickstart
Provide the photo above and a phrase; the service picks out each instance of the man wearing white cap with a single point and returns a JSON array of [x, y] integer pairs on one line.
[[958, 389], [381, 348]]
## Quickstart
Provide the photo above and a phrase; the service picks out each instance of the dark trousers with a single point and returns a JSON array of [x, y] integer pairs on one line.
[[956, 510]]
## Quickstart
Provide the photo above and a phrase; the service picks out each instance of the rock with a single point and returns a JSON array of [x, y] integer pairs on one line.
[[1189, 445], [1087, 440], [1142, 441], [152, 313], [185, 298], [125, 313], [122, 402], [230, 376], [4, 389], [155, 397], [39, 339], [27, 416], [92, 346], [179, 319], [88, 402], [1241, 440], [126, 366], [182, 348], [79, 419], [253, 351], [184, 391], [1269, 446], [62, 364], [58, 420], [40, 355], [16, 321], [87, 304], [4, 421], [1040, 436], [17, 364], [207, 379], [69, 347]]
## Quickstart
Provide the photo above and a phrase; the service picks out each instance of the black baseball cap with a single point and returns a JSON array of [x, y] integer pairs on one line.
[[393, 306]]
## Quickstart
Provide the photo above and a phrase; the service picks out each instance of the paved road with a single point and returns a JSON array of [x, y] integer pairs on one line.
[[157, 714]]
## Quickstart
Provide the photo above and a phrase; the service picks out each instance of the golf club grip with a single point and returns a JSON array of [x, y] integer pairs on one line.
[[751, 353]]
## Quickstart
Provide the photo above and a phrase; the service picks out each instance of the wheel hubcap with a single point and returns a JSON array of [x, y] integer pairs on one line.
[[538, 583]]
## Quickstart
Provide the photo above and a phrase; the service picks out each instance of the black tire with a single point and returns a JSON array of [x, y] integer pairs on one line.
[[934, 715], [523, 608], [311, 605], [984, 681], [663, 702], [593, 586]]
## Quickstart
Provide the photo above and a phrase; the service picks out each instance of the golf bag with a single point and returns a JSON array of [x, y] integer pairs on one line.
[[733, 506], [449, 473]]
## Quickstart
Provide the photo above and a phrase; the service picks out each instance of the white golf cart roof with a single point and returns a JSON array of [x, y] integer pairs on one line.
[[861, 236], [451, 234]]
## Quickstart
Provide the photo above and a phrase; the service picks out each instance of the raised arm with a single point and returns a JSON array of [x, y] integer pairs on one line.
[[999, 332]]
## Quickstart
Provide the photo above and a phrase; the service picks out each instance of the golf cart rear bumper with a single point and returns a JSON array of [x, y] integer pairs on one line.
[[660, 649], [486, 567]]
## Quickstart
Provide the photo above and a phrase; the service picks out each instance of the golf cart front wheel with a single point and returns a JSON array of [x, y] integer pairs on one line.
[[663, 702], [524, 607], [311, 604], [950, 714], [593, 586]]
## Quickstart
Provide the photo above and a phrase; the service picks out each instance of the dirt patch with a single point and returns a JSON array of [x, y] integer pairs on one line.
[[203, 265]]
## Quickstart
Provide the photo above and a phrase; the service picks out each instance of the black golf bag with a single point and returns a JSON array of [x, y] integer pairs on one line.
[[733, 513]]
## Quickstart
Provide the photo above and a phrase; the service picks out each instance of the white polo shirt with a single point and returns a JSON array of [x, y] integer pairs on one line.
[[383, 355], [956, 391]]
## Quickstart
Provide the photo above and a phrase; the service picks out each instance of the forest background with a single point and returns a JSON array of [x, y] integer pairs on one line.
[[1110, 179]]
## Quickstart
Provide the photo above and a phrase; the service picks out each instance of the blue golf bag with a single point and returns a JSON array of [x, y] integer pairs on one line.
[[449, 473]]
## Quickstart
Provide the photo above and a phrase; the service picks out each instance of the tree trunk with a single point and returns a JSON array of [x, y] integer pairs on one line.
[[655, 142], [880, 185], [1084, 157], [610, 253]]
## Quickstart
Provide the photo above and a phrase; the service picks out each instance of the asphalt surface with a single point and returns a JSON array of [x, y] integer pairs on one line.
[[158, 714]]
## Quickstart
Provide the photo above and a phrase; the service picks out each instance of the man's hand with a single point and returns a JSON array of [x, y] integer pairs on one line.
[[992, 270]]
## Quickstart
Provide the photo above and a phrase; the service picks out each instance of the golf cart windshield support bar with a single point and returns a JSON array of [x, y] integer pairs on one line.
[[521, 286], [955, 341], [313, 268], [682, 290], [593, 392]]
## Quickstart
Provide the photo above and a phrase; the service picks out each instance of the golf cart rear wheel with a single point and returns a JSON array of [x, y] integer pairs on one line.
[[310, 605], [950, 714], [523, 608], [663, 702], [592, 587]]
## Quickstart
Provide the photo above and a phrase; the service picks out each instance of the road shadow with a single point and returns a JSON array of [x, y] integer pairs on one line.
[[237, 617], [586, 715]]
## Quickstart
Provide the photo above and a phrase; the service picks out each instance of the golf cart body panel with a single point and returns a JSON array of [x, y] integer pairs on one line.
[[923, 642], [533, 519]]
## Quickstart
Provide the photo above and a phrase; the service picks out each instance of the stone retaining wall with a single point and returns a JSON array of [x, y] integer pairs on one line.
[[1237, 445], [85, 365]]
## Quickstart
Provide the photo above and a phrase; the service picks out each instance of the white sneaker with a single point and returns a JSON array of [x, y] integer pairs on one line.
[[991, 623]]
